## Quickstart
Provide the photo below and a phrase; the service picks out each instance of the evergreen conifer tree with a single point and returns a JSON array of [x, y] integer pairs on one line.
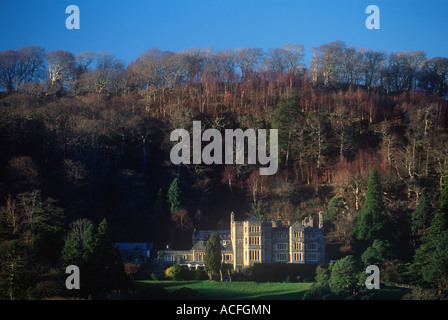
[[431, 258], [372, 222], [89, 242], [336, 206], [287, 120], [212, 255], [174, 196], [421, 217], [108, 259], [73, 251]]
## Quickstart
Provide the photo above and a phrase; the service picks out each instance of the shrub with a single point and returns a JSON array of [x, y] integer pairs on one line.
[[173, 272], [245, 274], [200, 275], [131, 269], [157, 276], [424, 294]]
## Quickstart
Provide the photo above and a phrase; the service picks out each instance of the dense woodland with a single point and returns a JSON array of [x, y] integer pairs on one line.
[[85, 137]]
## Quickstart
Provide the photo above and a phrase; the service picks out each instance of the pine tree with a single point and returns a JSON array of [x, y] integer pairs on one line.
[[287, 120], [443, 203], [346, 278], [89, 242], [174, 196], [372, 222], [421, 217], [336, 206], [105, 252], [73, 251], [212, 255], [377, 253], [431, 258], [103, 268]]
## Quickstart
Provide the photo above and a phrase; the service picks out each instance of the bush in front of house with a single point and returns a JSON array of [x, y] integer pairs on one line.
[[174, 272], [157, 275]]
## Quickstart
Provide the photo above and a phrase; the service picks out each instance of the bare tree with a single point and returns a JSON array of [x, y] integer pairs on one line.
[[31, 65], [18, 67], [370, 67], [434, 76], [84, 61], [247, 59], [275, 61], [108, 73], [9, 61], [61, 67], [79, 227], [327, 63], [293, 56]]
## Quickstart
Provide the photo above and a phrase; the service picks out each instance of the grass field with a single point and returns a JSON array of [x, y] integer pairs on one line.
[[249, 290], [216, 290]]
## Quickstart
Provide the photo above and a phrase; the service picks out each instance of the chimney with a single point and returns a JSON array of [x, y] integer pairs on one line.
[[308, 222], [279, 222], [321, 219]]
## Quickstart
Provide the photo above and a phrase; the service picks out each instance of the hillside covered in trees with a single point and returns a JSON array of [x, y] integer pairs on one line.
[[85, 138]]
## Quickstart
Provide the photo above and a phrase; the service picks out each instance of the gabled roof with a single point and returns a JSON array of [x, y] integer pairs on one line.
[[208, 233], [297, 225], [253, 218]]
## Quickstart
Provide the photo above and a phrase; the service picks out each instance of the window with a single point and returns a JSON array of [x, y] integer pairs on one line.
[[282, 246], [169, 257], [311, 246], [282, 236], [298, 234], [254, 240], [282, 256], [254, 229], [254, 255], [298, 256], [297, 245], [200, 256], [228, 257], [312, 256]]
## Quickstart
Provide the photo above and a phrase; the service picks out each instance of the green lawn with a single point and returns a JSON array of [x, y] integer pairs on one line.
[[243, 290], [240, 290]]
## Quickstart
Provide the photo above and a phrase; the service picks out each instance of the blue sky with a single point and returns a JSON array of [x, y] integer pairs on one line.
[[128, 28]]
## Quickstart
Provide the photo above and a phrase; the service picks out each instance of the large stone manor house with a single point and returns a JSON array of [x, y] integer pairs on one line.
[[254, 241]]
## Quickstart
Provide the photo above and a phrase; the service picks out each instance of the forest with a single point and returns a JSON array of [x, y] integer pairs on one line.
[[85, 139]]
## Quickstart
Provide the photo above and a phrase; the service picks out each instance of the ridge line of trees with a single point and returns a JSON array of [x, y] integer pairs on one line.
[[333, 65]]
